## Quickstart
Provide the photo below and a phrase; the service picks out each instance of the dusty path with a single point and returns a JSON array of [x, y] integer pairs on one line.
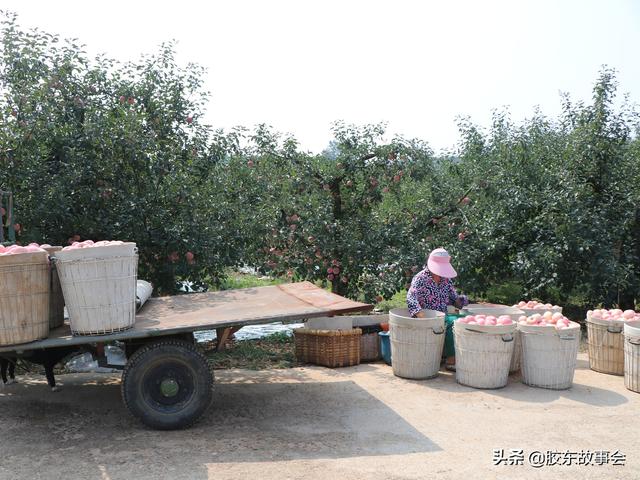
[[354, 423]]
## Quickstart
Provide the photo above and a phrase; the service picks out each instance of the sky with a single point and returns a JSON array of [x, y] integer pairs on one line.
[[416, 65]]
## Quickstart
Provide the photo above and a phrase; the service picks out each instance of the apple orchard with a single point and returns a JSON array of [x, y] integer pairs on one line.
[[95, 149]]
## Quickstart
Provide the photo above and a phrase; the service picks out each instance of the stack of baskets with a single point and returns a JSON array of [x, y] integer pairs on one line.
[[24, 297], [99, 287], [416, 343]]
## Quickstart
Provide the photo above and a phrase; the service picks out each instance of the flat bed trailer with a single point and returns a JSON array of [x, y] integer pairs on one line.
[[167, 381]]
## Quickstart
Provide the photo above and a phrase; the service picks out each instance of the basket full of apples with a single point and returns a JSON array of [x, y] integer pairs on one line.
[[99, 285], [606, 339], [550, 344]]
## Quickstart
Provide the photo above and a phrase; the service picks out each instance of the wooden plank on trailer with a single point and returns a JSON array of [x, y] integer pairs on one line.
[[212, 310]]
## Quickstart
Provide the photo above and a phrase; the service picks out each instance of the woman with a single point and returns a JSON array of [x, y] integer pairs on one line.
[[432, 289]]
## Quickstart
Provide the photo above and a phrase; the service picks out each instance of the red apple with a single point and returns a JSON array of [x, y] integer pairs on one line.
[[461, 236], [330, 277], [385, 190], [189, 119], [465, 201], [189, 256], [131, 100], [396, 178], [250, 163], [122, 99]]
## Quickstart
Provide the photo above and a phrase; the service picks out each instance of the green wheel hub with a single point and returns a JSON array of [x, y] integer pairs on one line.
[[169, 387]]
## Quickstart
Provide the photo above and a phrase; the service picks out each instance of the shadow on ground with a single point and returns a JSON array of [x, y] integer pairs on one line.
[[85, 431]]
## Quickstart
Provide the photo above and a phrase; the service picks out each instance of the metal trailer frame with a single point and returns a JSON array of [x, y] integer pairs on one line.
[[167, 381]]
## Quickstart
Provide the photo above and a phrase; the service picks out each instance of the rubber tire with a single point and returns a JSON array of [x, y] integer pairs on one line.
[[148, 360]]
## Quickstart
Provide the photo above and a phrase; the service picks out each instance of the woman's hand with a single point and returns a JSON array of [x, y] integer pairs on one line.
[[420, 314], [459, 303]]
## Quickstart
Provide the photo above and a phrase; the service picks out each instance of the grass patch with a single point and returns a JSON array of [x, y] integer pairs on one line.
[[245, 280], [273, 351], [399, 300]]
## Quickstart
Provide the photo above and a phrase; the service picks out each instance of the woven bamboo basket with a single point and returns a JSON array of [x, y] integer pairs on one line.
[[369, 347], [549, 356], [483, 354], [100, 293], [632, 356], [416, 343], [24, 297], [329, 348], [516, 358], [56, 299], [606, 346], [514, 313]]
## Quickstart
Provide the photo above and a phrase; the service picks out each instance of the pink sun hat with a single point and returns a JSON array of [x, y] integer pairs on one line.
[[440, 263]]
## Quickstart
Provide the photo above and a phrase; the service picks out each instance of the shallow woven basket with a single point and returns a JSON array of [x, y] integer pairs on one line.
[[416, 343], [369, 347], [100, 293], [606, 346], [483, 354], [632, 356], [56, 299], [329, 348], [24, 298], [549, 356]]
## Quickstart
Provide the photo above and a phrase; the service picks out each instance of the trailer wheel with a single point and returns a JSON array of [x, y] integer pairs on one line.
[[167, 384]]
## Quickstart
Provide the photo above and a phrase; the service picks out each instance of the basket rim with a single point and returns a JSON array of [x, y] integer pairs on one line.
[[328, 333]]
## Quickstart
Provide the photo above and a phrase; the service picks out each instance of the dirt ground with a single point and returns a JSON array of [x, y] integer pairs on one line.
[[308, 423]]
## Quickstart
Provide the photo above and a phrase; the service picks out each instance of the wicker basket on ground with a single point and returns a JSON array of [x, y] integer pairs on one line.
[[632, 356], [549, 356], [416, 343], [329, 348], [370, 343], [606, 345], [483, 354]]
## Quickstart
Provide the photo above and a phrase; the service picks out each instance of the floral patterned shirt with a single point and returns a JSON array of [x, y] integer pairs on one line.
[[426, 293]]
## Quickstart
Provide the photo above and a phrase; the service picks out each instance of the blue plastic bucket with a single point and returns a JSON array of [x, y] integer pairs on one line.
[[385, 347]]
